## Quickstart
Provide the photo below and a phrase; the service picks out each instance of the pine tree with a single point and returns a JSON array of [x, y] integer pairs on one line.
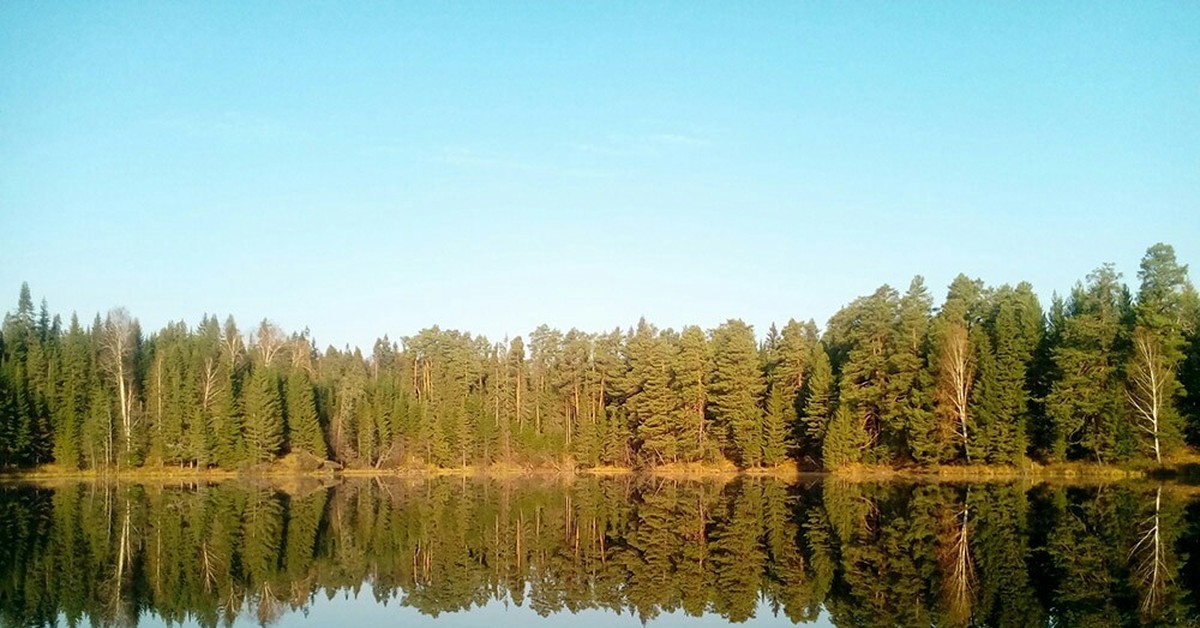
[[859, 337], [304, 428], [816, 404], [988, 439], [1086, 402], [649, 399], [73, 398], [776, 436], [735, 386], [953, 364], [226, 414], [1158, 342], [689, 368], [264, 427], [1004, 356], [1189, 369], [909, 382], [844, 441], [785, 359]]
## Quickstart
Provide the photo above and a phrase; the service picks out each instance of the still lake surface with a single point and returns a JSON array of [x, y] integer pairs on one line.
[[599, 551]]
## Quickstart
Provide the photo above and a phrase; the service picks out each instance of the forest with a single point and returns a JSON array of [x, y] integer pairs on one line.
[[893, 554], [1103, 374]]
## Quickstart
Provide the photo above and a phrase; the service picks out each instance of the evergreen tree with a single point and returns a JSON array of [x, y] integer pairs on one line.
[[649, 400], [1005, 356], [909, 385], [264, 427], [817, 399], [690, 366], [859, 337], [1157, 350], [845, 440], [953, 363], [1086, 404], [73, 397], [304, 427], [786, 365], [735, 386]]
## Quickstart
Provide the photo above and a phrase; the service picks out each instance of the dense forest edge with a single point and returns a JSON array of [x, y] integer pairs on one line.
[[1103, 381]]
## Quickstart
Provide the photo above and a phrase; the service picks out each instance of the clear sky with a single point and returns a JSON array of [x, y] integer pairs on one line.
[[371, 168]]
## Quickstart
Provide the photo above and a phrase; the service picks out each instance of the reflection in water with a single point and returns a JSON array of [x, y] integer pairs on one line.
[[868, 554]]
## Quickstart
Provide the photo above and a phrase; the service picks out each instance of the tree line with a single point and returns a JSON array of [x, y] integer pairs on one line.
[[109, 554], [989, 376]]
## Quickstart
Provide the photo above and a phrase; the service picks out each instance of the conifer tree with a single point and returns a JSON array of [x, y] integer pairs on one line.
[[1086, 404], [786, 359], [304, 428], [690, 366], [1158, 341], [844, 440], [859, 338], [649, 399], [735, 387], [817, 399], [909, 382], [73, 397], [1013, 328], [264, 427], [953, 363]]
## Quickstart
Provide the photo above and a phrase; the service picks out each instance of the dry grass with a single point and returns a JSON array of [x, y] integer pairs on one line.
[[1183, 466]]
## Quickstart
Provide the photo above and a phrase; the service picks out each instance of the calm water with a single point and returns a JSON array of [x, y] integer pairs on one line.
[[599, 551]]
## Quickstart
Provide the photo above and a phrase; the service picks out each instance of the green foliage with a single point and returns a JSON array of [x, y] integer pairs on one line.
[[735, 387], [844, 441], [1085, 404], [860, 554], [816, 403], [303, 425], [264, 428], [1101, 376], [860, 338]]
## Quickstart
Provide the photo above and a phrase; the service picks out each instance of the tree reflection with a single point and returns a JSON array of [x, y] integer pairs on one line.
[[868, 554]]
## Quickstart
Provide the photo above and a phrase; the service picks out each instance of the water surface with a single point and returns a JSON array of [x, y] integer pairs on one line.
[[599, 551]]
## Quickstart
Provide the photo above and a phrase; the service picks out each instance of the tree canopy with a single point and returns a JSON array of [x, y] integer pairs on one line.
[[1104, 374]]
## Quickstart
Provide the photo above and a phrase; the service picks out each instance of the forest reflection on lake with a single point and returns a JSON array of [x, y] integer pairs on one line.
[[852, 554]]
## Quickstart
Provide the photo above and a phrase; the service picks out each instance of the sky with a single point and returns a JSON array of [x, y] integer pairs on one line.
[[363, 169], [353, 609]]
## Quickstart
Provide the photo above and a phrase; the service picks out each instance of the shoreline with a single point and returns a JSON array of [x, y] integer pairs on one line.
[[1183, 469]]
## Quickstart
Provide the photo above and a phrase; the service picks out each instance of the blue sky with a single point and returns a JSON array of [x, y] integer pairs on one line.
[[375, 168]]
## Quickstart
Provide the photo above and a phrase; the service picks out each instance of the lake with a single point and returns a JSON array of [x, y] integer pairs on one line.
[[599, 551]]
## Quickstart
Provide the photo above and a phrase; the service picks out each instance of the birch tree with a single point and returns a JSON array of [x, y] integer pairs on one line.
[[117, 343]]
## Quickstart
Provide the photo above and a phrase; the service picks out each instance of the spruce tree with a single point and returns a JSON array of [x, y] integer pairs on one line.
[[816, 403], [1013, 328], [1086, 402], [844, 440], [264, 428], [1157, 350], [73, 398], [304, 428], [775, 432], [909, 382]]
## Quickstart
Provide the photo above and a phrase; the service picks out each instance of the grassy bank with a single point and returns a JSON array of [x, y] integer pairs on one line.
[[1184, 467]]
